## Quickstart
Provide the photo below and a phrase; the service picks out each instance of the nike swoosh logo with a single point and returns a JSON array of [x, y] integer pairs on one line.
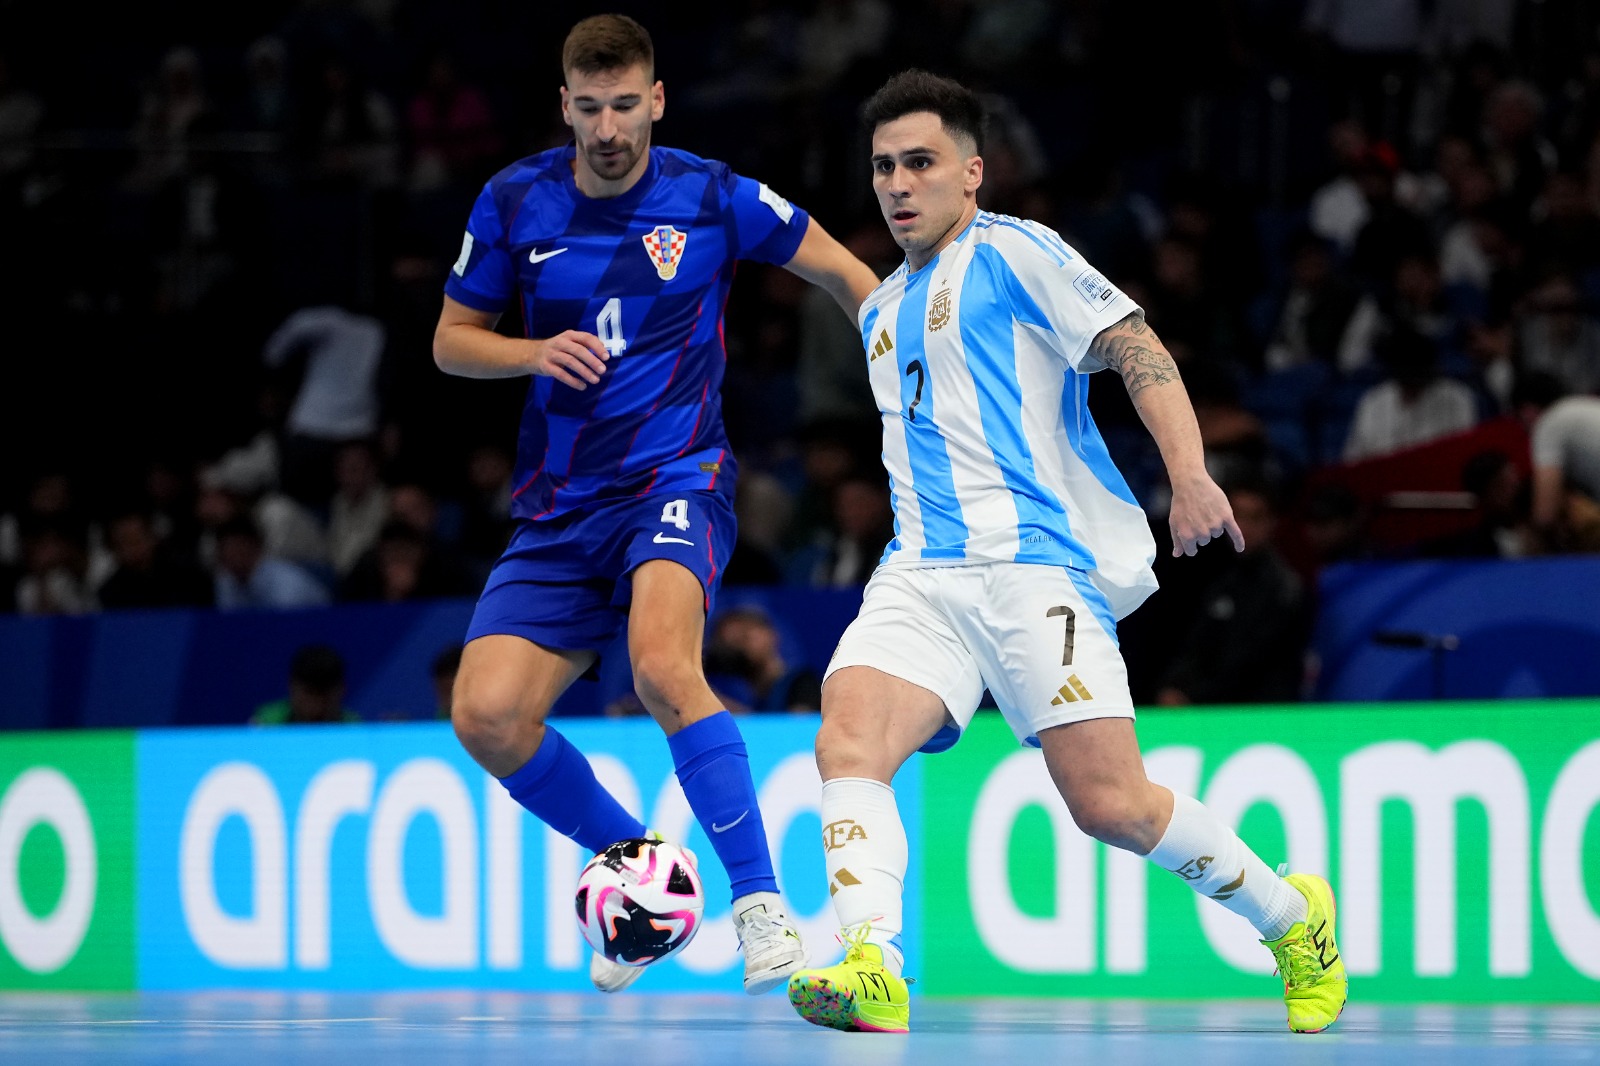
[[662, 538], [715, 828], [536, 257]]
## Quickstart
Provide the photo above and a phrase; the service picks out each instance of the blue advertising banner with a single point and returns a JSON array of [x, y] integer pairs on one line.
[[365, 857]]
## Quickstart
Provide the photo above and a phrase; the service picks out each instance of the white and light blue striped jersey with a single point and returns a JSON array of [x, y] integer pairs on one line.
[[979, 363]]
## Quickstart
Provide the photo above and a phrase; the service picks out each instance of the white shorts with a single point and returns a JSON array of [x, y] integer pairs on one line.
[[1039, 638]]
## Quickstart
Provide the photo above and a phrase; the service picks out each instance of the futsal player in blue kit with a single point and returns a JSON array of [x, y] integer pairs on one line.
[[620, 256]]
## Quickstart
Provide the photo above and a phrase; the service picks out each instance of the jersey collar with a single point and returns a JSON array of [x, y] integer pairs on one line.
[[626, 202]]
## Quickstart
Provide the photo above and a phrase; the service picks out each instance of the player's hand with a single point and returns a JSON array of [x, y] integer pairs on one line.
[[574, 358], [1200, 514]]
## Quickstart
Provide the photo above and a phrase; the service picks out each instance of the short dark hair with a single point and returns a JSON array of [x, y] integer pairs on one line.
[[317, 667], [607, 42], [958, 107], [1537, 388]]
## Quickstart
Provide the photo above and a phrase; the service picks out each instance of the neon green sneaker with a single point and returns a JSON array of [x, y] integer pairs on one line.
[[860, 994], [1314, 983]]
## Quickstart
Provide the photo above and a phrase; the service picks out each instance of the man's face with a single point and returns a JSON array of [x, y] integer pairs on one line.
[[926, 182], [610, 112]]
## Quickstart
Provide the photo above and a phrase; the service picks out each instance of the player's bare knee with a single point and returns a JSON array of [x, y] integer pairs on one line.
[[664, 681], [485, 725], [1111, 815], [845, 748]]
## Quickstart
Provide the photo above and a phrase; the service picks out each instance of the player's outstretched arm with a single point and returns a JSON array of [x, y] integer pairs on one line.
[[465, 344], [825, 262], [1200, 510]]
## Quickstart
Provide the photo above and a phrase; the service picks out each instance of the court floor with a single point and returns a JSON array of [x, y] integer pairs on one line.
[[529, 1029]]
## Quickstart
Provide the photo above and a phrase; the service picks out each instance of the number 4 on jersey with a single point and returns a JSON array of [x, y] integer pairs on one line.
[[608, 324], [676, 513]]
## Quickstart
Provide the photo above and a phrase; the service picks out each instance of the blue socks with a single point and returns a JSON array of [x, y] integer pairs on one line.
[[558, 786], [714, 769]]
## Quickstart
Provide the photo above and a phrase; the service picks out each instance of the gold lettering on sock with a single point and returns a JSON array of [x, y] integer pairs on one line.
[[838, 834]]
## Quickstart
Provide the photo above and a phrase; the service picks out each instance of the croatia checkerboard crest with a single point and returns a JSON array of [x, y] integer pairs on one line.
[[665, 245]]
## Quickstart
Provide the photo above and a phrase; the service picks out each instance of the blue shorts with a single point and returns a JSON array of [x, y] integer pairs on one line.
[[566, 582]]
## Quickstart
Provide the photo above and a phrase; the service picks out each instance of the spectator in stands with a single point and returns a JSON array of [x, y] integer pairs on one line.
[[1248, 643], [1413, 407], [1502, 529], [148, 572], [744, 663], [1336, 527], [55, 568], [337, 353], [413, 504], [1196, 322], [763, 508], [1566, 229], [1315, 311], [1392, 230], [50, 498], [359, 507], [1467, 263], [451, 129], [354, 130], [861, 526], [830, 450], [831, 375], [316, 691], [1519, 156], [174, 109], [1565, 443], [1338, 208], [401, 566], [1413, 302], [1557, 337], [289, 529], [266, 106], [246, 576], [486, 523]]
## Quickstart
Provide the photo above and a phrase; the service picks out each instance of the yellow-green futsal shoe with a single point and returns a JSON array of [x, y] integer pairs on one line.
[[860, 994], [1314, 982]]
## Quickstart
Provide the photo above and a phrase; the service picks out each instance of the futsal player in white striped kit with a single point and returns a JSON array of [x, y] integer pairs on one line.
[[1017, 548]]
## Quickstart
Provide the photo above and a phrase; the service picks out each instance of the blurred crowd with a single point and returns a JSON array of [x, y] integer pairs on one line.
[[1362, 229]]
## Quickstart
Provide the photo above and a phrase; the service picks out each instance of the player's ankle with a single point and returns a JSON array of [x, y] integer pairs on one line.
[[770, 900]]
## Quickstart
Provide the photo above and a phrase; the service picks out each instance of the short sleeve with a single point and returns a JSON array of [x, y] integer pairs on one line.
[[766, 227], [482, 277], [1548, 441], [1058, 292]]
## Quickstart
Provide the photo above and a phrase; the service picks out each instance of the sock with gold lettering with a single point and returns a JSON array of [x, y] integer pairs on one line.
[[1207, 854], [864, 847]]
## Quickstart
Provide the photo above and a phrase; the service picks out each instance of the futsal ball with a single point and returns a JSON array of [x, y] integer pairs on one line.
[[639, 901]]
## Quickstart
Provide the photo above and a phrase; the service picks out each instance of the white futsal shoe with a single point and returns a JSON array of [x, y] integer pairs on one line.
[[771, 946]]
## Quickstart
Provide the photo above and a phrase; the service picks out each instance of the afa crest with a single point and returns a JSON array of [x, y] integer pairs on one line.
[[939, 311], [665, 245]]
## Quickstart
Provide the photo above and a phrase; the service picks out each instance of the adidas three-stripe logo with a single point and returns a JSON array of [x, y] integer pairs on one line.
[[1073, 691]]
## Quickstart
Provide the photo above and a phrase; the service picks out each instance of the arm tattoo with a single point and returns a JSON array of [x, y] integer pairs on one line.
[[1133, 350]]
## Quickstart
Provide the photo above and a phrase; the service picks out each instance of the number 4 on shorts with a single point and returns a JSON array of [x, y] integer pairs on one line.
[[676, 512]]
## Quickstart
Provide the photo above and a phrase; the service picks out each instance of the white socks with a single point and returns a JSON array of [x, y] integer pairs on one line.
[[770, 900], [1216, 863], [865, 851]]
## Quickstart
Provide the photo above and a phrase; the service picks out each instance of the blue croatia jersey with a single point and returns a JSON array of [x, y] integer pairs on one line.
[[648, 272]]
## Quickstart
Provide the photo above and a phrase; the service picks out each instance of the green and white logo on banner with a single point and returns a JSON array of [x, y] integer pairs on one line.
[[66, 861], [1462, 841]]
